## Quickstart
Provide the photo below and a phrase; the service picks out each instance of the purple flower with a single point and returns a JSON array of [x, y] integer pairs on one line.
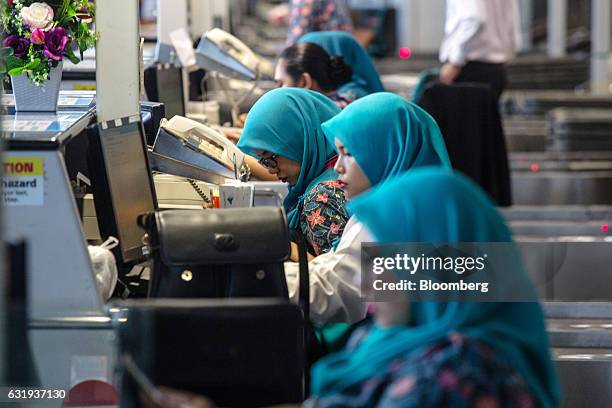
[[19, 45], [55, 43]]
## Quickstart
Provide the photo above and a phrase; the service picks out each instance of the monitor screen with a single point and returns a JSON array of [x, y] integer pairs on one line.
[[130, 186], [170, 90]]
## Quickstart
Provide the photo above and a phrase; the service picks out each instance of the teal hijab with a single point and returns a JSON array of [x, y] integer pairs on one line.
[[287, 122], [387, 136], [425, 78], [440, 206], [365, 77]]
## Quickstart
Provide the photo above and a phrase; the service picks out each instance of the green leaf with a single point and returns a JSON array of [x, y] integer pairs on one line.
[[13, 62], [33, 64], [6, 51], [71, 56], [16, 71]]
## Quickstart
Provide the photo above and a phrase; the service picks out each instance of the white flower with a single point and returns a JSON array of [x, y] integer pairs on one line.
[[38, 15]]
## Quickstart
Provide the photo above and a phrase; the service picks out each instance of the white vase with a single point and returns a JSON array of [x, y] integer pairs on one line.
[[32, 98]]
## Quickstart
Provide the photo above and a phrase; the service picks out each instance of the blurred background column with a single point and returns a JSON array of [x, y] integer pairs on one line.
[[526, 9], [557, 28], [600, 46], [171, 15]]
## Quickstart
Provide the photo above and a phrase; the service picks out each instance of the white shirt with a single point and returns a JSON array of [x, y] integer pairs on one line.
[[335, 279], [481, 30]]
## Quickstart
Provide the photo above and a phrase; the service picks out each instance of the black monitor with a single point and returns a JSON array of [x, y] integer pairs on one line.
[[237, 352], [122, 185], [152, 113], [164, 84]]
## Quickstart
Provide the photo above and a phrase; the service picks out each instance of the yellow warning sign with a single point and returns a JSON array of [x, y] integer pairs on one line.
[[23, 182], [23, 166]]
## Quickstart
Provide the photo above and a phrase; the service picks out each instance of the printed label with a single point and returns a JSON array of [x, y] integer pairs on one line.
[[23, 181]]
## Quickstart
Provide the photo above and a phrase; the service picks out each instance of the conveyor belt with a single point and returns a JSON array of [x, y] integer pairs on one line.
[[580, 333], [575, 213], [548, 228], [579, 129], [562, 188], [585, 375]]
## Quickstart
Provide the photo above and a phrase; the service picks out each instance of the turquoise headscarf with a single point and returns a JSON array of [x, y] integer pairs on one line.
[[287, 122], [365, 77], [434, 205], [425, 78], [387, 136]]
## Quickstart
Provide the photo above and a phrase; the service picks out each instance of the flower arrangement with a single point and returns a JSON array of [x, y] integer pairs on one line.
[[38, 35]]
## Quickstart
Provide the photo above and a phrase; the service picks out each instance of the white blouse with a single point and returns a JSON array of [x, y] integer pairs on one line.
[[335, 279]]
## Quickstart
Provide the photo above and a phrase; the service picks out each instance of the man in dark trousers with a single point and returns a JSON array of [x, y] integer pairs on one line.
[[480, 37]]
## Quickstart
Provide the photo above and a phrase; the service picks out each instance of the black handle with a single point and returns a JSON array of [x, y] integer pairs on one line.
[[304, 281], [226, 242]]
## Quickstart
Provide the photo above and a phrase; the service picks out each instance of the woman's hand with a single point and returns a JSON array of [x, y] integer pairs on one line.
[[232, 134], [295, 254]]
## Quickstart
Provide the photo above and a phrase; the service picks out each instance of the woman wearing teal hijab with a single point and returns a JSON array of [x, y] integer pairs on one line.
[[283, 129], [309, 66], [386, 136], [365, 79], [378, 137], [433, 353]]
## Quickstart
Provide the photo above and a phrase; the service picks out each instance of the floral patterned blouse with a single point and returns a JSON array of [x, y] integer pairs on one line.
[[317, 15], [323, 217], [457, 372]]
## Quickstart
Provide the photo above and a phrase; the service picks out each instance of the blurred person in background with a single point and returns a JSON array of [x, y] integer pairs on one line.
[[305, 16], [480, 38]]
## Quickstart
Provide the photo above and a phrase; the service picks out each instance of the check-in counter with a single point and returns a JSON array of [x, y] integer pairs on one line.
[[69, 330]]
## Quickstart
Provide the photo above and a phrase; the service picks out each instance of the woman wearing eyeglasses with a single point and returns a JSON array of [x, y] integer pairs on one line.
[[284, 131], [377, 137]]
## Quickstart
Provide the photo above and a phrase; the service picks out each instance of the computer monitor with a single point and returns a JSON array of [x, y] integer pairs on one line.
[[122, 185], [152, 113], [237, 352], [165, 84]]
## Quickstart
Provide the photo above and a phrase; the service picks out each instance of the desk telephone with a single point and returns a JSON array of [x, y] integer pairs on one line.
[[208, 141], [222, 52]]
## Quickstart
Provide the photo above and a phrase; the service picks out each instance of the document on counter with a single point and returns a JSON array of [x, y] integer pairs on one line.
[[237, 195]]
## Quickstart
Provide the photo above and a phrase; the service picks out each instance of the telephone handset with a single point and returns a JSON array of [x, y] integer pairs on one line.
[[240, 52], [208, 141]]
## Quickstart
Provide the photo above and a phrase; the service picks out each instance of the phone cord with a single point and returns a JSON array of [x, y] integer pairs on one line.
[[208, 203]]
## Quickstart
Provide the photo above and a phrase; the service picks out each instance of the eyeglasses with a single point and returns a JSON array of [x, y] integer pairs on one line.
[[269, 162]]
